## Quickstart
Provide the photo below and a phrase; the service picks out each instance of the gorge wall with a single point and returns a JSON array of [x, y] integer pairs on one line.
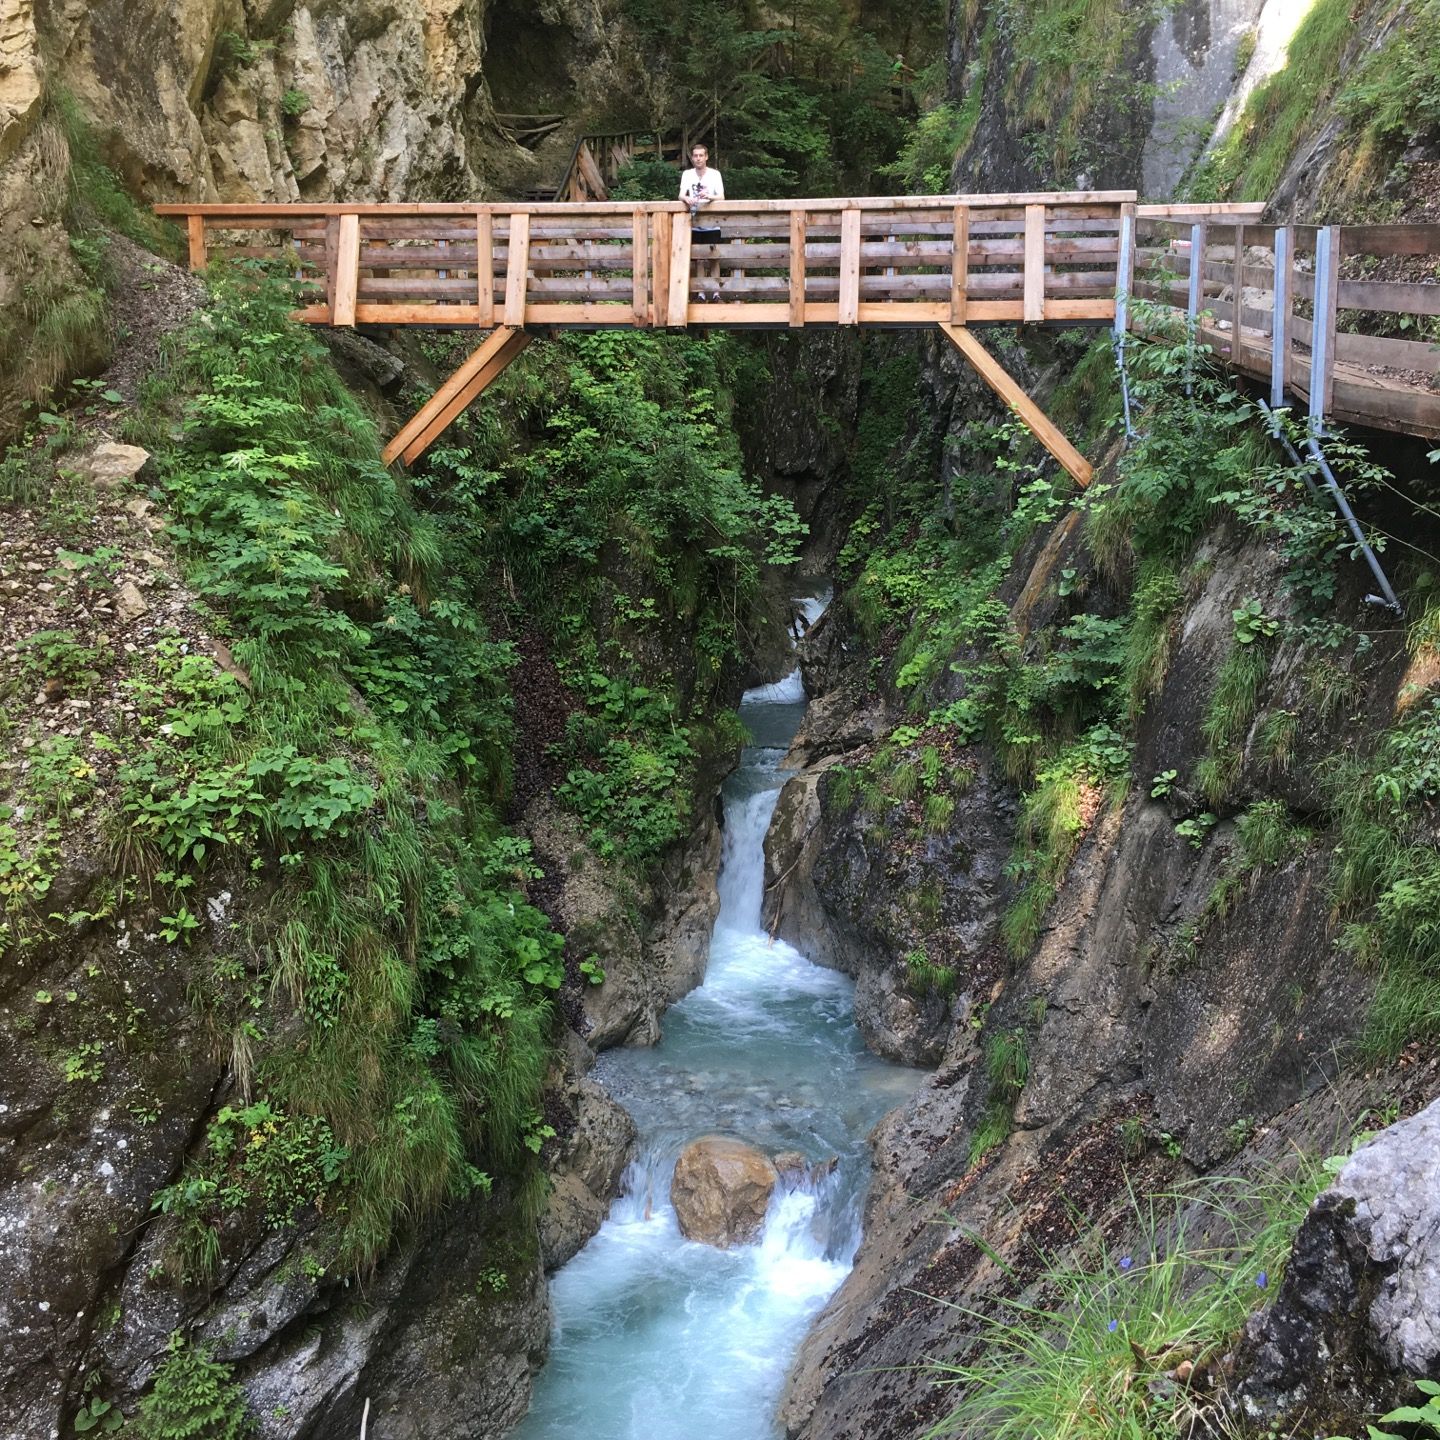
[[1122, 979]]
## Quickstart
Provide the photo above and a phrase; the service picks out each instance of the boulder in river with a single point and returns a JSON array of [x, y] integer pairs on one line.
[[720, 1190]]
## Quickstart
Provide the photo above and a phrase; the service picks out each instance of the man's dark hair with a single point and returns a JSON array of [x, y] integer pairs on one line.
[[699, 145]]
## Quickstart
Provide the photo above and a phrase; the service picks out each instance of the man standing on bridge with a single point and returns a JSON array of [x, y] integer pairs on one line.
[[699, 185]]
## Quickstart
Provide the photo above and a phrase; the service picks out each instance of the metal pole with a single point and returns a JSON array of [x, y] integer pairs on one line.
[[1321, 342], [1123, 271], [1280, 317], [1197, 271]]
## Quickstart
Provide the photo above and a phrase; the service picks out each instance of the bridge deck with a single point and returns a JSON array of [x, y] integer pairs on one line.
[[955, 261], [884, 261]]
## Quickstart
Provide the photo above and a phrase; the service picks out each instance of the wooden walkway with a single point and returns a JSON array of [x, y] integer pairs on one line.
[[959, 262], [1297, 321]]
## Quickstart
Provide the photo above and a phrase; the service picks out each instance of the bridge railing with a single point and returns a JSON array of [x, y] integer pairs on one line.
[[1310, 312], [899, 261]]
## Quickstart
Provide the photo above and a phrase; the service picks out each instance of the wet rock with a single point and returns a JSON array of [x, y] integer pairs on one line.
[[586, 1178], [795, 1170], [720, 1190], [112, 464], [1358, 1316]]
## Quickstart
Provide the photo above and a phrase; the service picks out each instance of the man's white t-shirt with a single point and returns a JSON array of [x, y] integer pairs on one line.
[[711, 186]]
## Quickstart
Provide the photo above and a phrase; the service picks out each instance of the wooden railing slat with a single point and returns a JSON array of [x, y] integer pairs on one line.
[[485, 267], [850, 267], [517, 266], [347, 271], [1034, 263], [960, 265], [797, 268]]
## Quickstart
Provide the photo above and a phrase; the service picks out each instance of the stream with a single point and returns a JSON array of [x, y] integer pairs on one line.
[[655, 1335]]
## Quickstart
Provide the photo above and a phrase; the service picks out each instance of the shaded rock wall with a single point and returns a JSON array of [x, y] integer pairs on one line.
[[1123, 1014]]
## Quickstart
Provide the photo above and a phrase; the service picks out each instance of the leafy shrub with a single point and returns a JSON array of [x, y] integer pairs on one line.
[[193, 1398]]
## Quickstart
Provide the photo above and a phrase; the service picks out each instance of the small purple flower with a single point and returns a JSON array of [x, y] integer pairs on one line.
[[1262, 1279], [1126, 1262], [1113, 1326]]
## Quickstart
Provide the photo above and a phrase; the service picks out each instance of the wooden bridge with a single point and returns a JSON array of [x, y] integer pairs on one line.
[[959, 262]]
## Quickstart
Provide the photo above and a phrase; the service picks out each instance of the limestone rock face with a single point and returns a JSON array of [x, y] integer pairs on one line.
[[587, 1175], [1358, 1316], [721, 1189]]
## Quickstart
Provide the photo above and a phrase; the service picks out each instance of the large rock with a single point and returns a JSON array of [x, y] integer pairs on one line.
[[721, 1189], [587, 1175], [1358, 1317]]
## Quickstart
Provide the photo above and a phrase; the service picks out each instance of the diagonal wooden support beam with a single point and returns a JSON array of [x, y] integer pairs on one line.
[[995, 375], [498, 349]]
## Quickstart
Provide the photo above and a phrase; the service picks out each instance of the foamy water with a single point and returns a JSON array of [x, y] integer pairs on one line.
[[656, 1337]]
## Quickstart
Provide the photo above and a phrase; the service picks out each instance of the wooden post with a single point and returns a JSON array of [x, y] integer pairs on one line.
[[517, 266], [332, 265], [678, 310], [850, 266], [347, 272], [195, 232], [1034, 307], [960, 265], [1041, 426], [1280, 315], [797, 269], [660, 286], [1237, 287], [485, 268], [640, 267], [489, 358]]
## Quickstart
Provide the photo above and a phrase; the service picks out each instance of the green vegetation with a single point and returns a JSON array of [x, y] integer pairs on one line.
[[1249, 163], [807, 99], [1007, 1068], [59, 325], [1386, 874], [1425, 1418], [193, 1398], [1087, 1360], [349, 771]]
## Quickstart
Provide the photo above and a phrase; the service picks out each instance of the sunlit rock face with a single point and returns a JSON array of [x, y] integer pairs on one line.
[[278, 101]]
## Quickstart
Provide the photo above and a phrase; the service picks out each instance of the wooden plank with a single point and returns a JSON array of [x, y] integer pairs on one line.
[[434, 317], [797, 269], [1390, 240], [850, 267], [1041, 426], [1243, 209], [959, 265], [640, 270], [444, 417], [347, 271], [678, 304], [195, 234], [475, 363], [660, 288], [1390, 297], [485, 267], [517, 266], [331, 260], [876, 203], [1034, 263]]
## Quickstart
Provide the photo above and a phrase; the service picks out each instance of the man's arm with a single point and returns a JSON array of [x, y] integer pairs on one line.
[[716, 186]]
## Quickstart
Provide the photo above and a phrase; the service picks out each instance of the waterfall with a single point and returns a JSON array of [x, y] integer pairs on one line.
[[648, 1325]]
